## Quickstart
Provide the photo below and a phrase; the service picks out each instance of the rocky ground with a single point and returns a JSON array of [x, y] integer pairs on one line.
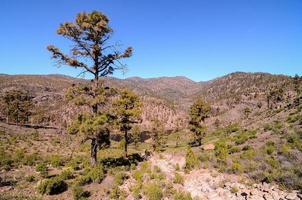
[[209, 184]]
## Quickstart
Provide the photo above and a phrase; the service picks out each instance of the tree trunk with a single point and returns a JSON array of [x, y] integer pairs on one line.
[[126, 144], [94, 148]]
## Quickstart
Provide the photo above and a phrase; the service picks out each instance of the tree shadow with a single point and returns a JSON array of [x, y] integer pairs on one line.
[[122, 161]]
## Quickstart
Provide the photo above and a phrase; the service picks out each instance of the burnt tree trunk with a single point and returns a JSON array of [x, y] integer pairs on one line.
[[126, 144], [93, 151]]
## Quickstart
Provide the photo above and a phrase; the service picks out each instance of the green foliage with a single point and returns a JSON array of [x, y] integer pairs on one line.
[[179, 195], [158, 136], [119, 178], [127, 110], [270, 147], [138, 175], [231, 128], [78, 193], [153, 191], [117, 194], [18, 106], [56, 160], [135, 135], [30, 178], [42, 169], [221, 150], [92, 174], [6, 161], [136, 190], [234, 190], [66, 174], [52, 186], [244, 136], [178, 179], [236, 168], [191, 160], [199, 111]]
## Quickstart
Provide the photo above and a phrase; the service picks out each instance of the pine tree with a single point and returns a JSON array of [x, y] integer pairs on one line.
[[199, 111], [91, 53], [18, 106], [157, 134], [127, 108]]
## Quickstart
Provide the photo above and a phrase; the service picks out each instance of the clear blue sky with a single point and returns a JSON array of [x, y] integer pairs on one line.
[[200, 39]]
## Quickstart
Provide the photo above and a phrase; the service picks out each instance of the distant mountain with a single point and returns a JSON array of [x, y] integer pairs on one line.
[[165, 97]]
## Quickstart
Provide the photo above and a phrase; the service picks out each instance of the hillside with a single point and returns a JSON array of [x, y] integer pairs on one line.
[[251, 149]]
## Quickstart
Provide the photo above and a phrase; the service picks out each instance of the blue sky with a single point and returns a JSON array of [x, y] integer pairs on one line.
[[200, 39]]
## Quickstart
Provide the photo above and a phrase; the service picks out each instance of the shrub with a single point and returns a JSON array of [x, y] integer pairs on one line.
[[231, 128], [94, 174], [234, 149], [177, 168], [66, 174], [236, 168], [117, 193], [30, 178], [178, 179], [153, 191], [56, 161], [52, 186], [270, 147], [221, 150], [234, 189], [119, 178], [136, 190], [5, 160], [191, 160], [42, 169], [246, 147], [138, 175], [31, 159], [78, 193], [182, 196]]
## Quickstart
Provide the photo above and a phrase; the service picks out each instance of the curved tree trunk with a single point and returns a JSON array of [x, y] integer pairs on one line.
[[93, 151], [126, 144]]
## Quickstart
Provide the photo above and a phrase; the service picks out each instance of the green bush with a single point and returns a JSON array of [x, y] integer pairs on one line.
[[66, 174], [138, 175], [234, 190], [94, 174], [236, 168], [178, 179], [52, 186], [221, 150], [117, 194], [270, 147], [234, 149], [191, 160], [6, 161], [56, 161], [78, 193], [182, 196], [136, 190], [31, 159], [119, 178], [42, 169], [153, 191], [30, 178]]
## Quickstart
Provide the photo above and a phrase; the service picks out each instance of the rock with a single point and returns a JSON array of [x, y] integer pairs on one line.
[[291, 196], [268, 197], [208, 147]]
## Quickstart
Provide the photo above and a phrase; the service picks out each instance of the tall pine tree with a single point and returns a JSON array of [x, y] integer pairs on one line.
[[127, 112], [91, 52]]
